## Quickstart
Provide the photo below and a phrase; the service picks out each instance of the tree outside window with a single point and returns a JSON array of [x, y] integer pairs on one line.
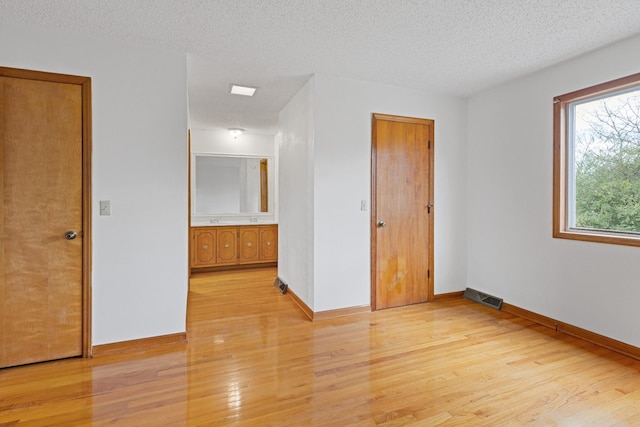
[[597, 163]]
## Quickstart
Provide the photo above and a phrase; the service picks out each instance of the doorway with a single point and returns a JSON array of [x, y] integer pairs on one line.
[[45, 208], [401, 211]]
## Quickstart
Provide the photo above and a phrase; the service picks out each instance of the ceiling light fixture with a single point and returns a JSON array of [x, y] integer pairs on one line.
[[236, 132], [242, 90]]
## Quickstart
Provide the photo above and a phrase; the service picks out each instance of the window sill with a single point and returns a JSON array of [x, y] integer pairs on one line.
[[611, 238]]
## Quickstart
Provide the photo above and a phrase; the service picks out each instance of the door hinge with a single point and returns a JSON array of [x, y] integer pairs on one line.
[[429, 206], [428, 274], [429, 145]]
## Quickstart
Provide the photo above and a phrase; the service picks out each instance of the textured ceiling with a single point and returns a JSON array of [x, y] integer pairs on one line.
[[452, 46]]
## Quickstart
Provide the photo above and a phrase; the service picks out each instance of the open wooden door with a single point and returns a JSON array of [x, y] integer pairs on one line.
[[44, 216], [401, 211]]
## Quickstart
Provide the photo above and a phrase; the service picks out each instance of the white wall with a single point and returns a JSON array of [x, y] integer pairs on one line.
[[295, 224], [219, 141], [511, 251], [342, 178], [139, 163], [338, 154]]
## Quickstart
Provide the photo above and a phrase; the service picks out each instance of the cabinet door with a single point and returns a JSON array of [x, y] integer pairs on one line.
[[248, 248], [269, 243], [227, 245], [204, 247]]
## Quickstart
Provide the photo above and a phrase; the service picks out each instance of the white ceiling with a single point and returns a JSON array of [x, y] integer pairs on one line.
[[451, 46]]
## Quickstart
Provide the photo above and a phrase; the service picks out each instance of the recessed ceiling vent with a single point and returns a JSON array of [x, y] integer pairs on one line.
[[484, 299]]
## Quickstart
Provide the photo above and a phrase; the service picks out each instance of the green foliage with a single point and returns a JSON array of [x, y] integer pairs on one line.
[[608, 166]]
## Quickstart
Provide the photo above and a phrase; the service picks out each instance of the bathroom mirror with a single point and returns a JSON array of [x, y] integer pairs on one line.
[[231, 184]]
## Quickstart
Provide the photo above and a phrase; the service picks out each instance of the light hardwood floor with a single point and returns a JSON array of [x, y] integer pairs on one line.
[[253, 359]]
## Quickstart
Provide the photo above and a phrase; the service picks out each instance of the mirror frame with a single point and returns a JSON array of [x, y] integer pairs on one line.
[[223, 216]]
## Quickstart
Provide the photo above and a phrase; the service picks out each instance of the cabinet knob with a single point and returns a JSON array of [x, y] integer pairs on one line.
[[248, 244], [226, 245], [205, 247], [268, 243]]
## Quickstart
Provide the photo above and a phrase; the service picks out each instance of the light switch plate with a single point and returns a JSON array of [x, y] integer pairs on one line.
[[105, 207]]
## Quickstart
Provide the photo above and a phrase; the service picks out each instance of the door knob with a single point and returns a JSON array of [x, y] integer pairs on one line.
[[70, 235], [382, 224]]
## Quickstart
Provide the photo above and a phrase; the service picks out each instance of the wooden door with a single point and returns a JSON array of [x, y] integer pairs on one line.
[[269, 243], [44, 129], [402, 218], [227, 252], [264, 186], [248, 245], [204, 247]]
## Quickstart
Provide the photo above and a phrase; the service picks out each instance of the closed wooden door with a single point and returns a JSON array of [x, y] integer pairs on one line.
[[227, 252], [402, 217], [264, 186], [204, 247], [269, 243], [42, 292], [248, 245]]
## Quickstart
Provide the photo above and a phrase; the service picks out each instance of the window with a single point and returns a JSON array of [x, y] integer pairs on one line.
[[596, 172]]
